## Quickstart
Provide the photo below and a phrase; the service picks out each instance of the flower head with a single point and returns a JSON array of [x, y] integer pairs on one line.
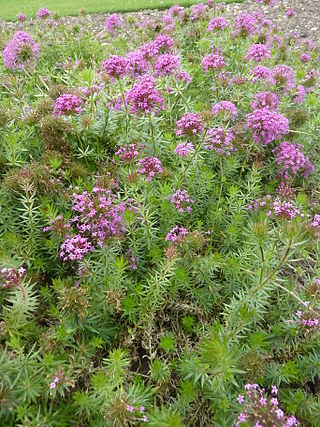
[[144, 97], [149, 166], [190, 124], [115, 66], [213, 61], [112, 22], [67, 104], [21, 52], [43, 13], [267, 125], [257, 52]]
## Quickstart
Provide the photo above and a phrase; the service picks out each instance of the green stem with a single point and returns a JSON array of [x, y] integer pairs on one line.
[[152, 134], [221, 183]]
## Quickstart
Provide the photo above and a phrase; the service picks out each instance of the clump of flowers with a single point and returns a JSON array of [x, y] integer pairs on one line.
[[257, 52], [198, 11], [184, 149], [265, 100], [129, 152], [21, 52], [304, 321], [57, 379], [315, 224], [245, 24], [190, 124], [177, 235], [149, 166], [21, 17], [113, 22], [213, 61], [218, 24], [259, 409], [267, 2], [99, 218], [284, 209], [292, 161], [12, 277], [166, 65], [305, 57], [284, 77], [75, 247], [43, 13], [290, 13], [67, 104], [144, 97], [261, 73], [267, 125], [115, 66], [220, 140], [225, 109], [162, 44], [136, 63], [182, 201]]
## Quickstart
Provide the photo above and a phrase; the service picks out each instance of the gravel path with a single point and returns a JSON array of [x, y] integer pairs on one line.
[[306, 23]]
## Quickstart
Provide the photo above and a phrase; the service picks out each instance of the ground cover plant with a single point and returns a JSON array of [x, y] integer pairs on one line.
[[160, 222]]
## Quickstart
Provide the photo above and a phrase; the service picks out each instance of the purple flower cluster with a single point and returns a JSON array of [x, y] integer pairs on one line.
[[182, 201], [177, 235], [283, 77], [21, 17], [220, 140], [184, 149], [260, 73], [213, 61], [149, 166], [257, 52], [43, 13], [284, 209], [162, 44], [166, 65], [190, 124], [129, 152], [267, 125], [98, 218], [115, 66], [261, 410], [21, 52], [265, 100], [12, 277], [292, 161], [225, 109], [75, 248], [305, 322], [67, 104], [218, 24], [136, 63], [290, 13], [198, 11], [113, 22], [315, 224], [144, 97], [245, 24], [267, 2]]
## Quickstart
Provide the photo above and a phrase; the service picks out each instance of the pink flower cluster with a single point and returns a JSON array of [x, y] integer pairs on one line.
[[60, 377], [21, 17], [257, 52], [43, 13], [265, 100], [184, 149], [21, 52], [12, 277], [149, 166], [136, 63], [190, 124], [283, 77], [129, 152], [307, 323], [198, 11], [99, 218], [213, 61], [267, 2], [225, 109], [292, 161], [113, 22], [115, 66], [67, 104], [220, 140], [260, 73], [177, 235], [280, 208], [245, 24], [182, 201], [315, 224], [144, 97], [260, 410], [267, 125], [166, 65], [75, 247], [218, 24]]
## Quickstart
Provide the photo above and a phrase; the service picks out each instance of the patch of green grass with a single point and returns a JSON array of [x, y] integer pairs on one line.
[[9, 8]]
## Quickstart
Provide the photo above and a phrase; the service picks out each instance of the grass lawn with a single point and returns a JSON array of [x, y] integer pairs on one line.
[[10, 8]]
